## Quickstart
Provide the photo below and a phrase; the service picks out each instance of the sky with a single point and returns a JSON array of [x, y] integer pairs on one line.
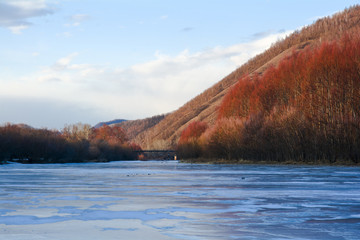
[[69, 61]]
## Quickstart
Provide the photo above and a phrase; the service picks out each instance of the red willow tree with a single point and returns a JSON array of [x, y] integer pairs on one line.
[[189, 144], [306, 108]]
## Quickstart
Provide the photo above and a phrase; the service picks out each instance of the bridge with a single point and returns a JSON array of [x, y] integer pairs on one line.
[[156, 154]]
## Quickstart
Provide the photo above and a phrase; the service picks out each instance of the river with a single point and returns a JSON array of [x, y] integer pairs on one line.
[[171, 200]]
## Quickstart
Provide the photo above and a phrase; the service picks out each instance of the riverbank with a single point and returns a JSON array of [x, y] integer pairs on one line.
[[60, 161], [242, 161]]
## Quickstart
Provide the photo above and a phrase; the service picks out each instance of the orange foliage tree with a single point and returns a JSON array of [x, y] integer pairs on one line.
[[189, 145], [306, 108], [113, 134]]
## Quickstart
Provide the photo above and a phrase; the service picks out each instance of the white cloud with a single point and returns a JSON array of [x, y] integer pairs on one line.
[[15, 14], [64, 62], [63, 70], [80, 17], [27, 5], [145, 89], [17, 29], [65, 34], [77, 19], [39, 113]]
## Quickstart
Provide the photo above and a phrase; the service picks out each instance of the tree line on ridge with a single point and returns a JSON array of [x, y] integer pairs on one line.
[[75, 143]]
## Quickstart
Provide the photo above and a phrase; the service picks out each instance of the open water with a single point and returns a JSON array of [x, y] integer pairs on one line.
[[170, 200]]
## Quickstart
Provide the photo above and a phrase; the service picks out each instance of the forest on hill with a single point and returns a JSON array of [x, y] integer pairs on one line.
[[305, 109], [205, 106]]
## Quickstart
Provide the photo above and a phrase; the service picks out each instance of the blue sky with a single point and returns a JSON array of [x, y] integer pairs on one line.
[[69, 61]]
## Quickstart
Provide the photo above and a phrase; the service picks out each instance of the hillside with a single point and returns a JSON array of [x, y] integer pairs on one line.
[[204, 107], [133, 128]]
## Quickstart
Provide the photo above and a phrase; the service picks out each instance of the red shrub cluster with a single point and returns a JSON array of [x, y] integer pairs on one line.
[[189, 143], [193, 131]]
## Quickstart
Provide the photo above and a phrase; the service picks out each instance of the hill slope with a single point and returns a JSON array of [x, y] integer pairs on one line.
[[204, 107], [135, 127]]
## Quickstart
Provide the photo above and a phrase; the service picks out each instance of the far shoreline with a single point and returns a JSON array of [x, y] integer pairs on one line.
[[345, 163], [205, 161]]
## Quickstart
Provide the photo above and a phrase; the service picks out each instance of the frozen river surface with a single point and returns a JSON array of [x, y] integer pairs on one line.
[[171, 200]]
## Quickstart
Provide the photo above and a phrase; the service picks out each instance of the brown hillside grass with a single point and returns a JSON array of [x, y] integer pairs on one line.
[[133, 128]]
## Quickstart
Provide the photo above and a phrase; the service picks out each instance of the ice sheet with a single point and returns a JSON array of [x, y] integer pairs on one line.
[[171, 200]]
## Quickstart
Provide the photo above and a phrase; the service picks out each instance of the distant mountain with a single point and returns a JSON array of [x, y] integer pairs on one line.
[[23, 125], [204, 107], [116, 121]]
